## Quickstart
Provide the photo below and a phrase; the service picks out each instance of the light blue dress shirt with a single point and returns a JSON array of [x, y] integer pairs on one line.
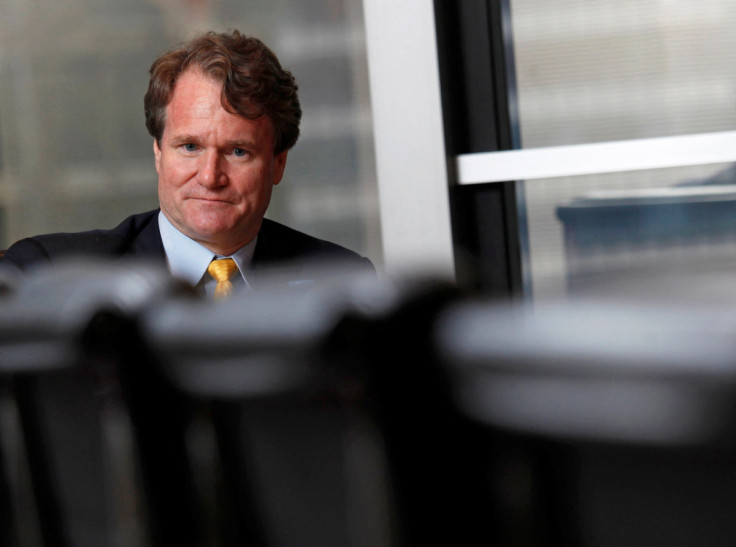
[[188, 260]]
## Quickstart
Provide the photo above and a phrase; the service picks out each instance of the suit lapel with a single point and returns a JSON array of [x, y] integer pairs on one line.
[[274, 262], [146, 243]]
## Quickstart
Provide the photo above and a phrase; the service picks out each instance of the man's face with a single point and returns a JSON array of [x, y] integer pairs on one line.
[[215, 169]]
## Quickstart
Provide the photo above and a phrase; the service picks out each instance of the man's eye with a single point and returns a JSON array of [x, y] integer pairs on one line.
[[189, 147], [239, 152]]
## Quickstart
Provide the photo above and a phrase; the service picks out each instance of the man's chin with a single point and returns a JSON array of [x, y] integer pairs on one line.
[[219, 236], [211, 232], [212, 218]]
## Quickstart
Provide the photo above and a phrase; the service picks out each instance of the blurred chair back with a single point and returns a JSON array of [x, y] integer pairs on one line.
[[614, 421], [274, 431], [433, 452], [64, 406], [261, 420], [366, 413]]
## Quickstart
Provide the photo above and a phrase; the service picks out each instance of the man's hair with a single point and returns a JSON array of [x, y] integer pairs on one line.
[[253, 83]]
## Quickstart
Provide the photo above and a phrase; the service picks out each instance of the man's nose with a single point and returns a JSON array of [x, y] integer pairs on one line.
[[210, 172]]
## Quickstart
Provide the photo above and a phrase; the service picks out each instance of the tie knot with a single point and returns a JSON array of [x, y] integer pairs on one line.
[[222, 270]]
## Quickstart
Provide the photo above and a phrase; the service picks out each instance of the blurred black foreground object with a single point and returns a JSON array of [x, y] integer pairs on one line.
[[363, 412], [69, 477], [613, 416]]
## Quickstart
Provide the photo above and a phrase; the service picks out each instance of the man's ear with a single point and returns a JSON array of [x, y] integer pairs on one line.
[[156, 155], [279, 166]]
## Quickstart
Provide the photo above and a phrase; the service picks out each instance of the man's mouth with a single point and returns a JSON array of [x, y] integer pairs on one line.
[[211, 200]]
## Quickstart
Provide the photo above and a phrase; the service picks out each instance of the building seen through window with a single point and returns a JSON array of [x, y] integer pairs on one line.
[[76, 154]]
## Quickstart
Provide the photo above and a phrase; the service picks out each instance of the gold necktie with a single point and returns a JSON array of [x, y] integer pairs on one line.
[[222, 270]]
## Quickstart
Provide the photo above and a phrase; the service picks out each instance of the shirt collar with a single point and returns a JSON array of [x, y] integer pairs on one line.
[[188, 260]]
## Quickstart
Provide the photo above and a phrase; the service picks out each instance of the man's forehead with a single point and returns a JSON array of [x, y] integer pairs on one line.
[[199, 90], [197, 97], [194, 87]]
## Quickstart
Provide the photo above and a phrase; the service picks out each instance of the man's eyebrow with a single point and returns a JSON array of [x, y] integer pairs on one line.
[[240, 143], [234, 143], [184, 137]]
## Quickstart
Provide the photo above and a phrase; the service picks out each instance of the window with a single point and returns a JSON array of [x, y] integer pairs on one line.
[[620, 105], [76, 154]]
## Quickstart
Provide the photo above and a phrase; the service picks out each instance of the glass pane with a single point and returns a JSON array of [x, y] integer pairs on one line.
[[605, 70], [589, 232], [74, 152]]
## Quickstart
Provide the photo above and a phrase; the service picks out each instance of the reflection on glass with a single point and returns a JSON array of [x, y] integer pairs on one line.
[[591, 230]]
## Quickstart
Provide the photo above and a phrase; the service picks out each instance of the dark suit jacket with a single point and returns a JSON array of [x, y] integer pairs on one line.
[[298, 256]]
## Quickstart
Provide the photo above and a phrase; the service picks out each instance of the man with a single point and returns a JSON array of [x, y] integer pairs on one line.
[[223, 114]]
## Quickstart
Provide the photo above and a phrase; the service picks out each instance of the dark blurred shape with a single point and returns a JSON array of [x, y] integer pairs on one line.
[[367, 412], [63, 406], [435, 455], [284, 455], [329, 419], [266, 456], [9, 278], [613, 419]]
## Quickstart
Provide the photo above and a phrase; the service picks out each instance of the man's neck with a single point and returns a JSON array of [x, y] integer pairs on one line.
[[188, 259]]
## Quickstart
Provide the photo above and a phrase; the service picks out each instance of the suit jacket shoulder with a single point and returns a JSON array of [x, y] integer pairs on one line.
[[279, 246], [296, 254], [137, 235]]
